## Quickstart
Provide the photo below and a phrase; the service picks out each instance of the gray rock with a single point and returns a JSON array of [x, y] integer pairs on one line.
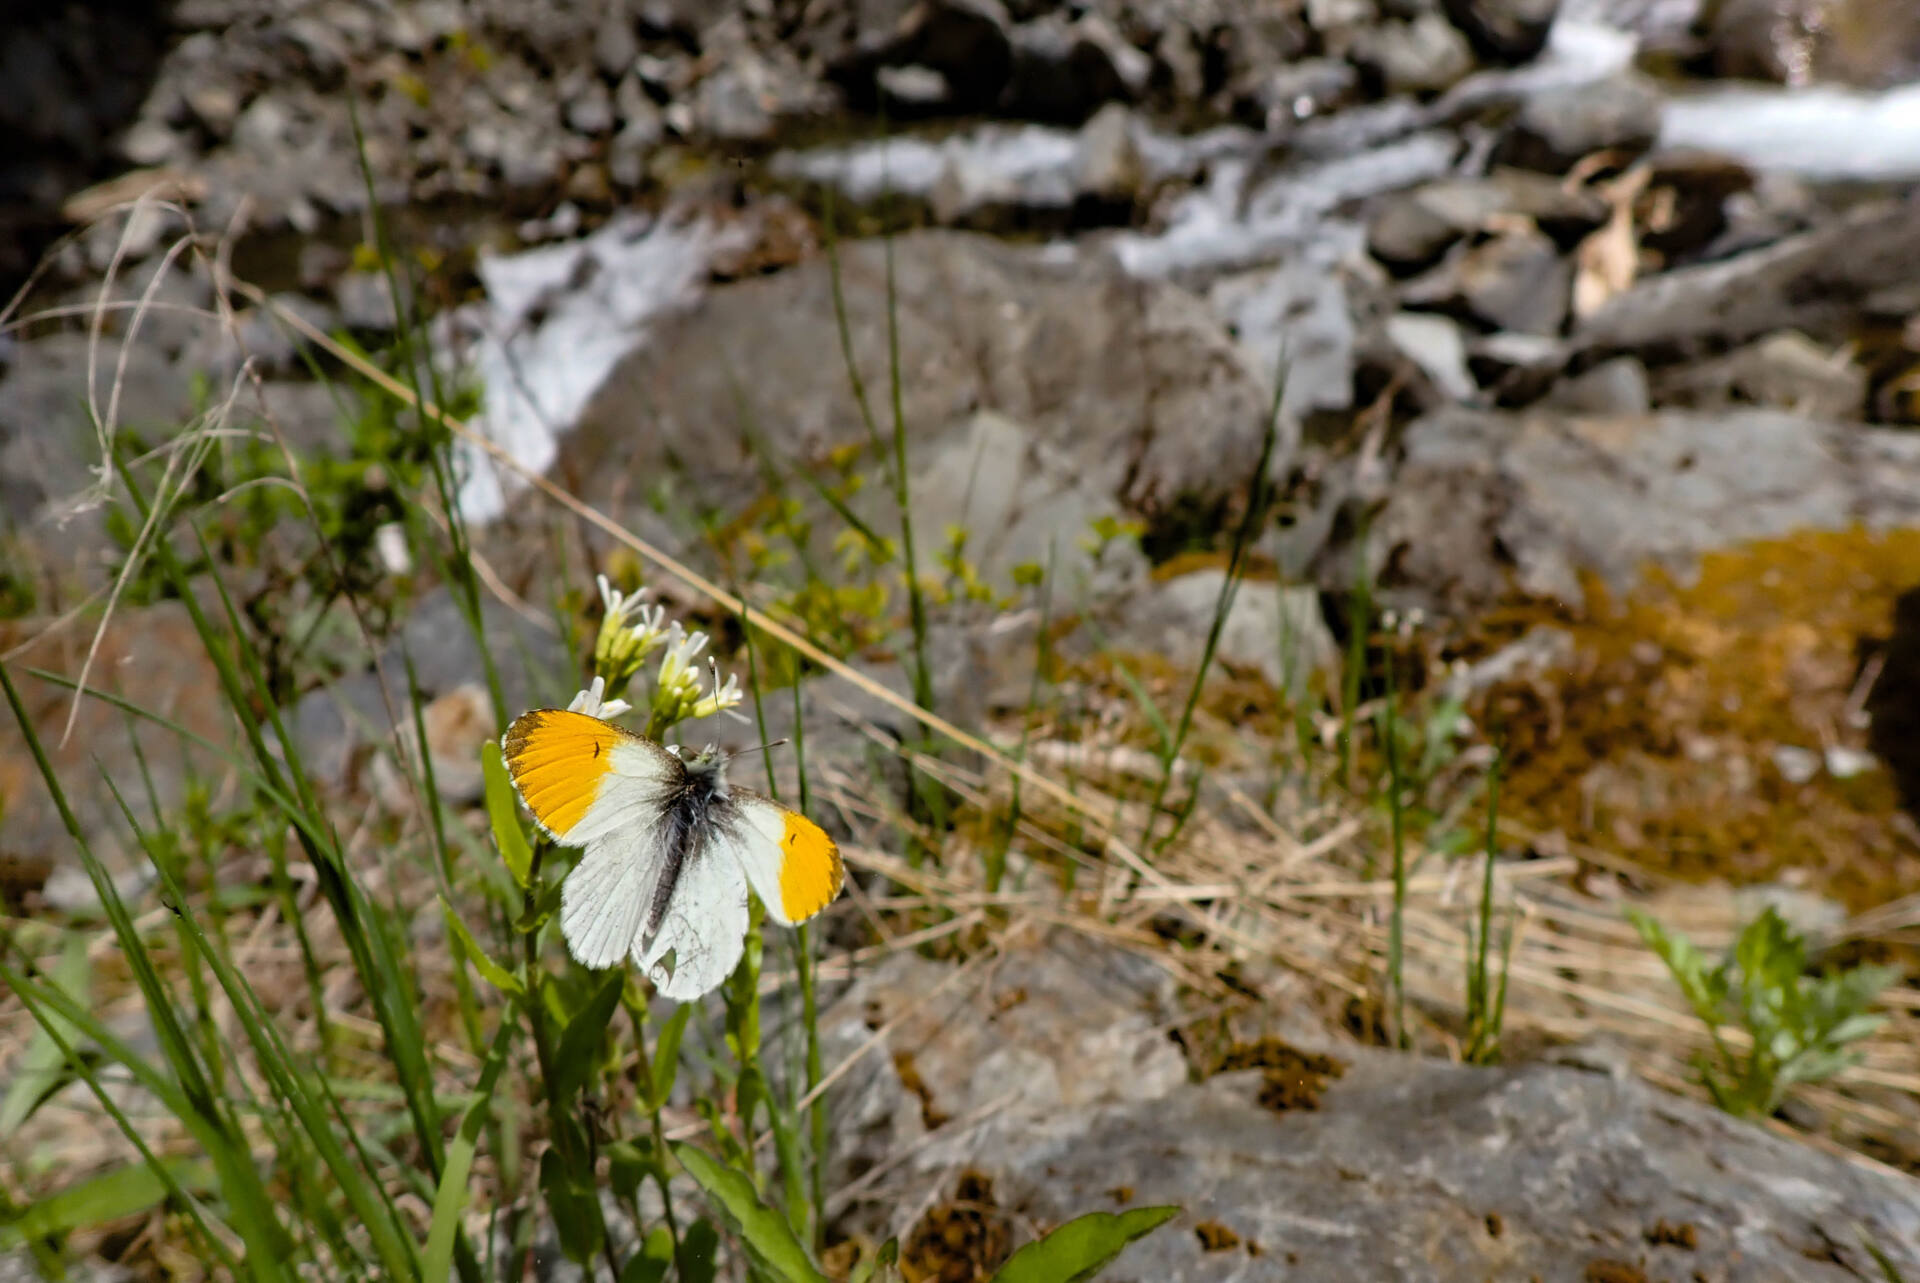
[[1049, 1073], [1418, 1170], [968, 42], [913, 90], [1134, 382], [591, 110], [1615, 387], [1814, 282], [1786, 371], [1021, 501], [1275, 631], [1300, 314], [1557, 127], [1425, 55], [1488, 504], [1304, 89], [49, 450], [1514, 281], [1435, 344], [1412, 229], [1504, 30], [332, 724], [1066, 71], [615, 45], [1108, 167]]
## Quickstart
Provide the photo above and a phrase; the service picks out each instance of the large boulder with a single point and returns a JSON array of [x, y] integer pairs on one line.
[[1133, 386], [1487, 504], [1048, 1079]]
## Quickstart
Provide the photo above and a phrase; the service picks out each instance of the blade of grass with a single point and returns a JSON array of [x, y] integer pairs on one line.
[[1396, 927], [451, 1198], [1257, 499]]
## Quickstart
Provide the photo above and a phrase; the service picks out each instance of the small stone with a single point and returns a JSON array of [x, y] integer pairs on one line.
[[1787, 370], [149, 142], [1615, 387], [1273, 630], [1511, 31], [1302, 90], [1435, 344], [728, 105], [1425, 55], [1107, 164], [1557, 127], [913, 89], [216, 104], [1516, 281], [1844, 763], [633, 147], [615, 46], [591, 111]]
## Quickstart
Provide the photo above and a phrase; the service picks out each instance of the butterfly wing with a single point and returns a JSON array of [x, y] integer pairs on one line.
[[583, 778], [604, 900], [792, 864], [703, 928]]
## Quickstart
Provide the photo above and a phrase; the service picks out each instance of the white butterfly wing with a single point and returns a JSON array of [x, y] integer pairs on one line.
[[703, 931], [603, 902]]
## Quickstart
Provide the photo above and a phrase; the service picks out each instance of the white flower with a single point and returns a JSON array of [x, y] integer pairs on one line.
[[724, 697], [591, 702], [679, 680], [629, 631]]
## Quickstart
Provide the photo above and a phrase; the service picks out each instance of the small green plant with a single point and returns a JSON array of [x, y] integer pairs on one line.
[[1800, 1027]]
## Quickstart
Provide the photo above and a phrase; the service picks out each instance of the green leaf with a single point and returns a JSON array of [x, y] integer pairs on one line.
[[666, 1055], [629, 1162], [490, 971], [112, 1196], [699, 1254], [575, 1208], [651, 1263], [1082, 1247], [504, 814], [451, 1198], [765, 1231], [42, 1066], [580, 1044]]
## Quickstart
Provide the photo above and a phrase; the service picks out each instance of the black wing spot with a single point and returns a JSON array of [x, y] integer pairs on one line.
[[596, 750]]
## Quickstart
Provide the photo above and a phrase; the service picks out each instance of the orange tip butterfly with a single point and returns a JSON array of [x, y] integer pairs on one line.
[[671, 849]]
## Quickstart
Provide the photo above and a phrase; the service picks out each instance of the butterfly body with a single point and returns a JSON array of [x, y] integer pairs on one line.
[[671, 848]]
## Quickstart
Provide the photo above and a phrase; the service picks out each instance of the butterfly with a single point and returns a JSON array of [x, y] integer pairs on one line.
[[671, 848]]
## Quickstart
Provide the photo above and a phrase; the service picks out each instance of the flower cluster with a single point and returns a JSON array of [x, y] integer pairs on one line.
[[631, 631]]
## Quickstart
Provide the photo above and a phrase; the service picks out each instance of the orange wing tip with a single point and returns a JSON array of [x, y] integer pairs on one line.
[[811, 872], [557, 761]]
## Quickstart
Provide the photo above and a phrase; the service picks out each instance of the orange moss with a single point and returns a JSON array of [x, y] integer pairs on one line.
[[1660, 740]]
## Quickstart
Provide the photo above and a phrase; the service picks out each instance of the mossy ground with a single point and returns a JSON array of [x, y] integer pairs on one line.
[[1664, 738]]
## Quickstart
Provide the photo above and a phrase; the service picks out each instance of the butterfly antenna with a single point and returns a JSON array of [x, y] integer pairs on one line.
[[762, 748]]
